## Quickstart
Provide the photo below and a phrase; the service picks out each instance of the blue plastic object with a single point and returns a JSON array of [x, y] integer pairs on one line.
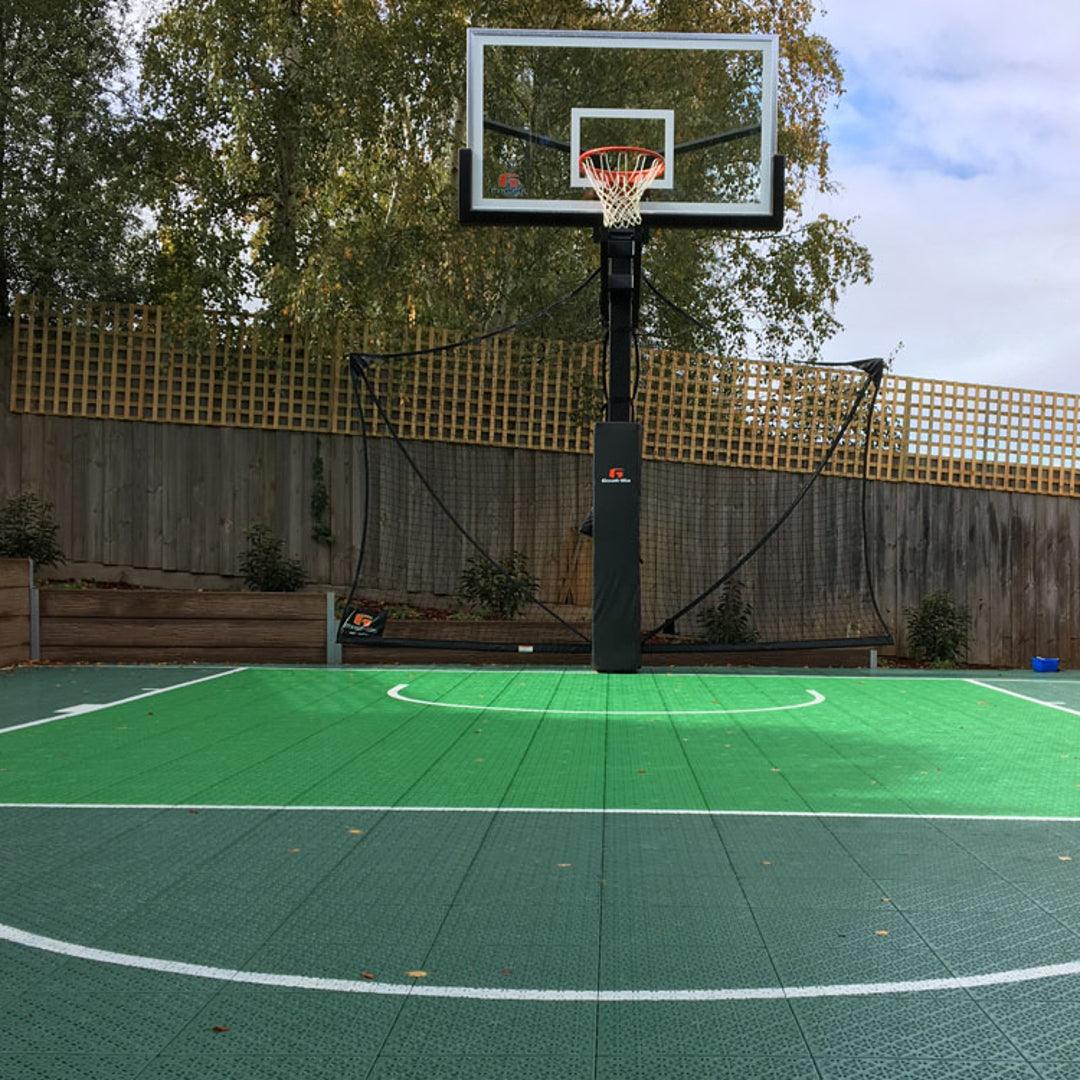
[[1044, 663]]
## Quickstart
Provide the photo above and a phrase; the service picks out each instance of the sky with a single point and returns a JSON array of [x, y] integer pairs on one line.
[[957, 147]]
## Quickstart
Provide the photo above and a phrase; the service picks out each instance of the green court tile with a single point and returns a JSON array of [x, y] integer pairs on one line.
[[32, 693], [660, 964], [279, 1021], [1046, 1029], [728, 1029], [1058, 1070], [510, 966], [60, 1066], [230, 1066], [703, 1067], [518, 919], [921, 1069], [55, 1022], [944, 1025], [492, 1029], [562, 1066]]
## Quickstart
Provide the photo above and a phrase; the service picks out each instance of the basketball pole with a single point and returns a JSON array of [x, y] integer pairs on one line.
[[616, 636]]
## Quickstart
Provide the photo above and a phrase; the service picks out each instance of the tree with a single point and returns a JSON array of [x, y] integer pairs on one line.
[[68, 180], [306, 157]]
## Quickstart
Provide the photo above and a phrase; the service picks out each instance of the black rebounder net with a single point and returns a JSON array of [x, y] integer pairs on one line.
[[474, 482]]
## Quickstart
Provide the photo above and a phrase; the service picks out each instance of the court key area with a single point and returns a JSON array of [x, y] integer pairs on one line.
[[495, 873]]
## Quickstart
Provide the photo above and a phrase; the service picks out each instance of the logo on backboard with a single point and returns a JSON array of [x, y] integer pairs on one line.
[[615, 475], [510, 184]]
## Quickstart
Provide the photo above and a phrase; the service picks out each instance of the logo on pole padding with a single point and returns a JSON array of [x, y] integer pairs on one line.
[[615, 475]]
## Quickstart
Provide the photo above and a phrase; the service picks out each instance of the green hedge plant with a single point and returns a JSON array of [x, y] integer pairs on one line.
[[28, 531], [266, 566], [938, 629]]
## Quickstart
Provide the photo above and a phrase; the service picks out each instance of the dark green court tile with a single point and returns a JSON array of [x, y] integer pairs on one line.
[[921, 1069], [436, 1065], [57, 1022], [60, 1066], [1043, 1030], [700, 1029], [492, 1028], [279, 1021], [229, 1066], [946, 1025], [1058, 1070], [1062, 988], [505, 966], [703, 1067], [662, 965], [506, 920]]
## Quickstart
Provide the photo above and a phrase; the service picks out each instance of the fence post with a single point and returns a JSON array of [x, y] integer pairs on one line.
[[35, 617], [333, 649]]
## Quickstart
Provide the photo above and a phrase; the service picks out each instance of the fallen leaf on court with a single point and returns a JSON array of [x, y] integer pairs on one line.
[[356, 832], [1064, 858], [886, 900], [416, 974], [220, 1028], [506, 971], [641, 772], [882, 933], [774, 770], [294, 851], [564, 865], [193, 811], [149, 714], [369, 975], [766, 862]]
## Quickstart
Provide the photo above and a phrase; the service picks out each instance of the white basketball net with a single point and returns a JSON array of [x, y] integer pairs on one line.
[[620, 175]]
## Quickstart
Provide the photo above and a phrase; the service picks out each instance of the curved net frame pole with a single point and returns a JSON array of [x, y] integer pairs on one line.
[[620, 176]]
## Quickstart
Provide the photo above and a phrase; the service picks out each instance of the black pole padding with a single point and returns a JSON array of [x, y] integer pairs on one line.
[[620, 251], [616, 628]]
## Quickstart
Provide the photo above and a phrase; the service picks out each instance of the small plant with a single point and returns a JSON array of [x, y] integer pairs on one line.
[[487, 590], [938, 629], [320, 501], [730, 621], [265, 565], [27, 530]]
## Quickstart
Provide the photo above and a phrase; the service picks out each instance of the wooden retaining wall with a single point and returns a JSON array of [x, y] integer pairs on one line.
[[14, 611], [124, 626]]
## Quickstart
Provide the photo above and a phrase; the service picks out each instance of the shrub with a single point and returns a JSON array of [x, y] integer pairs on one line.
[[265, 565], [27, 530], [938, 629], [730, 621], [486, 590]]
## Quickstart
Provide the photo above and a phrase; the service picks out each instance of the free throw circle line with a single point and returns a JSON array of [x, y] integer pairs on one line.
[[397, 695], [485, 993]]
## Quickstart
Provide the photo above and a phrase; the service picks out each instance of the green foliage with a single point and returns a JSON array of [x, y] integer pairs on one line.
[[265, 565], [938, 629], [730, 621], [489, 591], [69, 153], [28, 531], [304, 155], [320, 501]]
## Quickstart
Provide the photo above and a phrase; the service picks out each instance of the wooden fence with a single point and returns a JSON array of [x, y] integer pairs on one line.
[[14, 611], [120, 362]]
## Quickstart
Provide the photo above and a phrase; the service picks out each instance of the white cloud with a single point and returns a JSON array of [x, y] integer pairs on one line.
[[958, 147]]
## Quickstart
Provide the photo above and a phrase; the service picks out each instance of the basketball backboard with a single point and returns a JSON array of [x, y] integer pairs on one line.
[[537, 98]]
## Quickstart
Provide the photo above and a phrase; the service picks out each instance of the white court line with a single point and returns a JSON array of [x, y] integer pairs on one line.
[[395, 693], [361, 808], [485, 993], [81, 710], [1024, 697]]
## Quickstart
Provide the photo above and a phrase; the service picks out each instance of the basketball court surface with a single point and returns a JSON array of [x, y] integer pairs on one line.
[[484, 873]]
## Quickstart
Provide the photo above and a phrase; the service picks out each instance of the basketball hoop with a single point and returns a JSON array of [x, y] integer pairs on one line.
[[620, 175]]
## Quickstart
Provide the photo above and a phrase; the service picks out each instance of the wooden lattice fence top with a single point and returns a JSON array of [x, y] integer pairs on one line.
[[116, 362]]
